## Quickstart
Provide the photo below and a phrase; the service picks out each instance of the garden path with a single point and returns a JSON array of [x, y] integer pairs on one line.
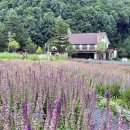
[[97, 119]]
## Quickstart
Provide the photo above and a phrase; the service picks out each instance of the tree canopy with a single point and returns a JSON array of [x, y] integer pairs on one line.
[[101, 47], [37, 19]]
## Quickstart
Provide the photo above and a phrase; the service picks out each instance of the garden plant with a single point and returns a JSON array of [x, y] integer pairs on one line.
[[50, 95]]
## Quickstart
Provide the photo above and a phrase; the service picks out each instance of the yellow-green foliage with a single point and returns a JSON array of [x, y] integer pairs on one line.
[[33, 57], [101, 46], [125, 94], [14, 45], [18, 56], [57, 58], [10, 56], [39, 50]]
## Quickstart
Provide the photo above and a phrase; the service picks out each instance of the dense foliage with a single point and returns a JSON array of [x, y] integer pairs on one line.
[[36, 19]]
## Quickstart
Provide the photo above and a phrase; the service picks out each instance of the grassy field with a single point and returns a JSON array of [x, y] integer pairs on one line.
[[32, 57], [18, 56], [49, 95]]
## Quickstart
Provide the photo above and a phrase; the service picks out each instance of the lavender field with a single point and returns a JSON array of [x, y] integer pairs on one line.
[[59, 95]]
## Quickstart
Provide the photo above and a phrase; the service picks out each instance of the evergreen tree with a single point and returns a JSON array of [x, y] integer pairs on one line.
[[30, 46], [60, 42]]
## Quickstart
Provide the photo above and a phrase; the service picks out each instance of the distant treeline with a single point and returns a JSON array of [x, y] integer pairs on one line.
[[35, 19]]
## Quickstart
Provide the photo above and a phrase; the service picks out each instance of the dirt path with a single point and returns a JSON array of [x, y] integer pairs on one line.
[[97, 119]]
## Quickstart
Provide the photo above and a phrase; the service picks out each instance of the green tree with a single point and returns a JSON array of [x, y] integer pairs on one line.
[[60, 42], [3, 37], [126, 45], [39, 50], [122, 52], [11, 41], [14, 45], [14, 24], [30, 46], [71, 51], [101, 47]]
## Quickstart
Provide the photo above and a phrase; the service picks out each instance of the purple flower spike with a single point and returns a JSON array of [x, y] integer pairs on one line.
[[93, 126], [9, 83], [59, 104], [25, 116], [49, 105], [107, 94], [24, 105], [29, 127]]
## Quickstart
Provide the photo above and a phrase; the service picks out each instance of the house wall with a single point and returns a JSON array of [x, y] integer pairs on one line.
[[115, 54], [95, 56]]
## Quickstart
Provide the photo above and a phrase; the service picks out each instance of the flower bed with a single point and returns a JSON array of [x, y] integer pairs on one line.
[[57, 96]]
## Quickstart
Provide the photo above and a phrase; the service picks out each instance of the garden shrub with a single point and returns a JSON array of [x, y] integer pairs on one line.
[[114, 110], [33, 57], [102, 103], [100, 89], [58, 58], [120, 102], [125, 94], [114, 89], [39, 50]]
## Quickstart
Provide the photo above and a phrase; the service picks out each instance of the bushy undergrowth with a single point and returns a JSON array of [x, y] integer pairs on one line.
[[33, 57], [119, 96], [58, 58], [125, 95], [114, 89], [100, 89]]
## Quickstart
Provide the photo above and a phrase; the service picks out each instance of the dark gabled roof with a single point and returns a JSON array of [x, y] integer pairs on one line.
[[86, 38]]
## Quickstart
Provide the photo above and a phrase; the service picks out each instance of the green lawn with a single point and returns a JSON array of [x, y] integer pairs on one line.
[[6, 55]]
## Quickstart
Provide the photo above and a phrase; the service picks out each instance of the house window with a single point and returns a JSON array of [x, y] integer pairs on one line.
[[91, 47], [77, 47], [84, 47]]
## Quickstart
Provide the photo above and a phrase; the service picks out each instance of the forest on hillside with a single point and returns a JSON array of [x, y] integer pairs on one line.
[[34, 20]]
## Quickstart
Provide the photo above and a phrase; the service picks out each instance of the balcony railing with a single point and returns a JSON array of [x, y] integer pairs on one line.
[[87, 49]]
